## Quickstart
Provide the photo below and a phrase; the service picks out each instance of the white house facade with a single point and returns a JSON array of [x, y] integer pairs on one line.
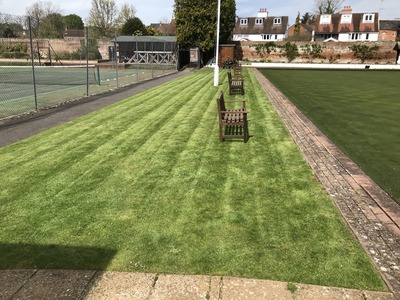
[[262, 28]]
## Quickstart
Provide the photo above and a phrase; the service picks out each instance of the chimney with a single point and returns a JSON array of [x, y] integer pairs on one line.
[[263, 13], [347, 10]]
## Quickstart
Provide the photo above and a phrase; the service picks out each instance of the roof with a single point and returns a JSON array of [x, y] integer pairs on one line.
[[165, 28], [134, 38], [389, 25], [356, 25], [267, 27]]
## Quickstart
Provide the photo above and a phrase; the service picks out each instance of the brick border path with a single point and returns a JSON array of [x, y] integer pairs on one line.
[[371, 214]]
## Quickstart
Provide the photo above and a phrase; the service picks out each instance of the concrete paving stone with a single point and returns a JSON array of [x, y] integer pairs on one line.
[[121, 285], [55, 284], [246, 289], [310, 292], [378, 296], [12, 280], [184, 287]]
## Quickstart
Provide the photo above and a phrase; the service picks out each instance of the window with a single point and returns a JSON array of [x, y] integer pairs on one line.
[[355, 36], [346, 19], [325, 19], [259, 21], [243, 22], [266, 36], [368, 18], [277, 21]]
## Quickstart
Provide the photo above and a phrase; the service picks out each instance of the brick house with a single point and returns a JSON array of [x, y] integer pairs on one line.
[[167, 29], [261, 28], [347, 26], [389, 30]]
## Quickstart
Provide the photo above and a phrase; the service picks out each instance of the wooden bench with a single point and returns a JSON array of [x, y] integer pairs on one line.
[[232, 122], [237, 71], [236, 84]]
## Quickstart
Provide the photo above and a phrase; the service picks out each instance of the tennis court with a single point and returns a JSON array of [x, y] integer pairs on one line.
[[58, 84]]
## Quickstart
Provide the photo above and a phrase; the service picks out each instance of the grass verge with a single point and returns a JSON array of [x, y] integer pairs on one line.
[[145, 185]]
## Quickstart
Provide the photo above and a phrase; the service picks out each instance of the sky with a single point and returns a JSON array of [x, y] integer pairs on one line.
[[155, 11]]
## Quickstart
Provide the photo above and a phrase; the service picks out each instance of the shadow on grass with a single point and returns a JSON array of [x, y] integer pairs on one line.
[[28, 256]]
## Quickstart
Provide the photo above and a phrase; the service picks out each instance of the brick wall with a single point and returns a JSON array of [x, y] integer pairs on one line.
[[334, 52]]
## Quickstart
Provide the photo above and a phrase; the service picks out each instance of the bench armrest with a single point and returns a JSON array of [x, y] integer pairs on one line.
[[234, 111]]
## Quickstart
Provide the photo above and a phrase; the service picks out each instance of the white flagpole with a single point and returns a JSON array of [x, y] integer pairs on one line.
[[216, 68]]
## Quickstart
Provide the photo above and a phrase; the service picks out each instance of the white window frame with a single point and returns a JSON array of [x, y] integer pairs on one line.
[[277, 21], [325, 19], [259, 21], [244, 22], [368, 18], [346, 19], [355, 36]]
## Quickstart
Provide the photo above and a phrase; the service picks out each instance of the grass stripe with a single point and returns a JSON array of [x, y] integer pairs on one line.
[[147, 180]]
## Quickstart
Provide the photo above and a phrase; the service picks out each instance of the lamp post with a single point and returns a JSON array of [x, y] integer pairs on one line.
[[216, 68]]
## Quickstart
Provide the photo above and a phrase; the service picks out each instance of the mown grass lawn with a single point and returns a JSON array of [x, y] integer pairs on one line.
[[358, 110], [144, 185]]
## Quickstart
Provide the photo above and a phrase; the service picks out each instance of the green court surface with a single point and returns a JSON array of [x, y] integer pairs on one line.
[[358, 109]]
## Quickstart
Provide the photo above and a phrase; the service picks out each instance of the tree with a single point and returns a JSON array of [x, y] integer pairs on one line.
[[263, 50], [308, 19], [196, 22], [290, 51], [38, 11], [102, 17], [297, 25], [73, 21], [312, 51], [327, 6], [364, 52], [134, 26], [52, 26], [152, 31], [126, 12]]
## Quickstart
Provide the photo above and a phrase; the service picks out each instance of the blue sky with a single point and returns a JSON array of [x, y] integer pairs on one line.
[[153, 11]]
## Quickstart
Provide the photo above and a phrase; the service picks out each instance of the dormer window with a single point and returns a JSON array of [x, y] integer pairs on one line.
[[277, 21], [259, 21], [325, 19], [368, 18], [243, 22], [346, 19]]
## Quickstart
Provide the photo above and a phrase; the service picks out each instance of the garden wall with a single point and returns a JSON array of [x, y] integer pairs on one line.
[[332, 52], [20, 48]]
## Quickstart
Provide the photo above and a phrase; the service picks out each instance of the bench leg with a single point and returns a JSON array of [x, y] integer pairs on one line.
[[246, 132]]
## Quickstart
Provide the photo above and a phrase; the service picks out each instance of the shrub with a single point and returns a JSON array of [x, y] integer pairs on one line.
[[364, 52], [290, 51]]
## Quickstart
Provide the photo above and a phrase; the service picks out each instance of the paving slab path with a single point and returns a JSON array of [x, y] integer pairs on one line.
[[370, 213]]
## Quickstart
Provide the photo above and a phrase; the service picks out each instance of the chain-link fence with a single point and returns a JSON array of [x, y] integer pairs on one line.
[[34, 76]]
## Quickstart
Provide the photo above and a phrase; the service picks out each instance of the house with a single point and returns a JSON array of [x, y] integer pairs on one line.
[[389, 30], [347, 26], [303, 33], [166, 29], [261, 28]]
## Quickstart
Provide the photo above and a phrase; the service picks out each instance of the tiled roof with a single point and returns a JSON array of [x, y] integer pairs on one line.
[[389, 25], [165, 28], [267, 26], [356, 25]]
